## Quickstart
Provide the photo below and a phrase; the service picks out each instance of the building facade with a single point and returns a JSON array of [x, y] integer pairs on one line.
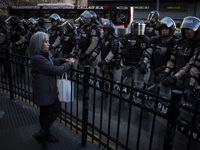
[[176, 9]]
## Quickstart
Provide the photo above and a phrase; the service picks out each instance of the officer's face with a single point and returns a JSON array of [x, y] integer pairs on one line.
[[54, 23], [189, 33], [45, 45], [153, 20], [165, 31], [32, 25], [66, 30], [105, 32], [87, 21]]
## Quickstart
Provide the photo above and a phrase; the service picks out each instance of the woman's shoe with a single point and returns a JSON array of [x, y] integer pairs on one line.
[[41, 136]]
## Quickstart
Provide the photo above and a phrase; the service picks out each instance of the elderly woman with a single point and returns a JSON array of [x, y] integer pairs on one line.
[[44, 71]]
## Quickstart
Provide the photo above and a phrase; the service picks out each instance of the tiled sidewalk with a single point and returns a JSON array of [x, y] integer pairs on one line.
[[19, 121]]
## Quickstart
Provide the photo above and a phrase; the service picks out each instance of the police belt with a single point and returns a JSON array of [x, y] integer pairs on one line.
[[131, 63]]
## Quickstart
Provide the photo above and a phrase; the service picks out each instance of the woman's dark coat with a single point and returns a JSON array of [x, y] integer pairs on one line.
[[44, 77]]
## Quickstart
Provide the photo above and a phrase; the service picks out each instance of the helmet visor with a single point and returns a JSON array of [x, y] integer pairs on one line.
[[54, 17], [80, 20], [141, 29], [64, 24], [167, 22], [104, 21], [138, 29], [32, 21], [86, 14], [150, 16], [8, 21], [190, 23]]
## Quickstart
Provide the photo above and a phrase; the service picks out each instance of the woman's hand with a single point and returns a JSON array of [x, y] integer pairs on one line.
[[71, 60]]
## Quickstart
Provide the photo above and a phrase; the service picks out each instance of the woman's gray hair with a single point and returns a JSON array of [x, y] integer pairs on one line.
[[36, 43]]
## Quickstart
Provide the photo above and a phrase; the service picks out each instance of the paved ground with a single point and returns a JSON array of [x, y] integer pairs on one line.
[[19, 121]]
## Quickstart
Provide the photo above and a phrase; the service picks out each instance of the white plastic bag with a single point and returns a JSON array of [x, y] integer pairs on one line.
[[65, 89]]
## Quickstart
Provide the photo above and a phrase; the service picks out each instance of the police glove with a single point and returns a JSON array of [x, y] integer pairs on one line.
[[188, 94], [101, 63], [168, 81], [71, 56], [117, 65], [131, 69], [90, 60], [161, 77], [159, 70], [143, 68], [83, 56]]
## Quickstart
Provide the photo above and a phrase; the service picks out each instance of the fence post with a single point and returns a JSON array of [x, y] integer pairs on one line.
[[171, 121], [85, 105], [9, 71]]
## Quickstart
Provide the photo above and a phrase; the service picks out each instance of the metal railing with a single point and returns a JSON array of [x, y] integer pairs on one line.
[[140, 120]]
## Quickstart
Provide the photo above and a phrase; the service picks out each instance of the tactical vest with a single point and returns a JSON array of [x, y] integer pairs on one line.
[[149, 30], [106, 48], [85, 38], [184, 52], [161, 51], [135, 46], [54, 32], [68, 42]]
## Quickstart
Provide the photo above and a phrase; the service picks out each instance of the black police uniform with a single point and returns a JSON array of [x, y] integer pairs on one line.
[[68, 41], [161, 51], [109, 46], [15, 38], [134, 47], [86, 34], [150, 30]]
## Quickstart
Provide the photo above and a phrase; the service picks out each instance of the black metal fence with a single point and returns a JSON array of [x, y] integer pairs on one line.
[[139, 120]]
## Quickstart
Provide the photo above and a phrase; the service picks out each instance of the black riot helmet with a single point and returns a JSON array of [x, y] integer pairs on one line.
[[86, 15], [167, 22], [33, 21], [71, 27], [41, 21], [153, 14], [106, 24], [138, 27], [13, 21], [94, 17], [190, 22], [55, 17], [24, 22]]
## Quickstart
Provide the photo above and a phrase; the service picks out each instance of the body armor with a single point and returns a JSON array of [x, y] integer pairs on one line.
[[161, 51], [135, 45]]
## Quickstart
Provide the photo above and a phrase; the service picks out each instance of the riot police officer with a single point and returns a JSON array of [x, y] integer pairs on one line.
[[153, 18], [191, 93], [55, 31], [33, 28], [24, 22], [3, 42], [181, 59], [109, 48], [67, 41], [17, 35], [41, 24], [133, 45], [160, 49], [88, 37]]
